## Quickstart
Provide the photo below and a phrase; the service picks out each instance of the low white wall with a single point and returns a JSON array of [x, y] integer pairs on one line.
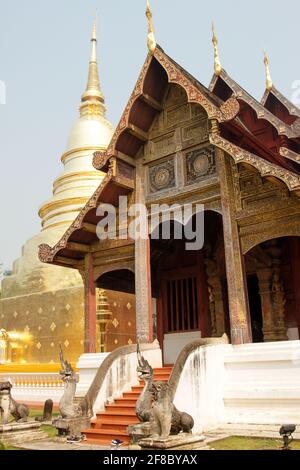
[[121, 376], [201, 385], [245, 384], [34, 387], [262, 383]]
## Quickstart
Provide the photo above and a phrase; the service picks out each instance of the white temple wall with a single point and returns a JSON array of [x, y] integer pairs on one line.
[[245, 384]]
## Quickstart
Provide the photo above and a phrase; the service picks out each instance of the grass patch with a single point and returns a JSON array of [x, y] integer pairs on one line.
[[34, 412], [50, 430], [251, 443], [7, 447]]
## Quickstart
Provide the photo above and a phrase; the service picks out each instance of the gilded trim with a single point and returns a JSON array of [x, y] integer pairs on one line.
[[265, 168]]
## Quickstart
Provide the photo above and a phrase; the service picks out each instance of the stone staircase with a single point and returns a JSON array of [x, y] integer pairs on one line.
[[113, 422]]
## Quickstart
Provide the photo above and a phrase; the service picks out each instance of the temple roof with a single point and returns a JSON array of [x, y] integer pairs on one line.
[[242, 120], [278, 133], [285, 109]]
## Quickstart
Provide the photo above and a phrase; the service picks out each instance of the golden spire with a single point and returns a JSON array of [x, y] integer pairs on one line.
[[269, 83], [93, 99], [151, 35], [218, 66]]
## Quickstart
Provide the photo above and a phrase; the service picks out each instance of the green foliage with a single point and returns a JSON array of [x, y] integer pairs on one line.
[[50, 430], [2, 446]]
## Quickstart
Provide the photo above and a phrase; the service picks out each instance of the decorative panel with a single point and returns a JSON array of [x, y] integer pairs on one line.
[[163, 146], [199, 164], [179, 114], [162, 176]]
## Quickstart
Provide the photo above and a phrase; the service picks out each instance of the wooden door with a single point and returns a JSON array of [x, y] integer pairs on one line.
[[182, 303]]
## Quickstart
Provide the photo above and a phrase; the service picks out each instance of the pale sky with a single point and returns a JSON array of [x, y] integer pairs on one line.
[[44, 52]]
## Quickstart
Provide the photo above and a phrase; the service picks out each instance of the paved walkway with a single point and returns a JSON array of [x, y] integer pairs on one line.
[[227, 430], [53, 445]]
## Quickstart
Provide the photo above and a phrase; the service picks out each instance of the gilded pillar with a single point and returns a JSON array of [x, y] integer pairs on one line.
[[89, 306], [278, 293], [265, 290], [215, 298], [236, 279], [104, 316], [144, 323]]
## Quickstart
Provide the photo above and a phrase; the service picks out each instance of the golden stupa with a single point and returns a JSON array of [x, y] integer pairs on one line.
[[47, 301]]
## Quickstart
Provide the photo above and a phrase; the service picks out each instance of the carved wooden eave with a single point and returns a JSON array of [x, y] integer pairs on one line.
[[290, 107], [196, 92], [48, 253], [265, 168], [77, 240], [290, 154], [248, 141], [290, 131], [172, 73]]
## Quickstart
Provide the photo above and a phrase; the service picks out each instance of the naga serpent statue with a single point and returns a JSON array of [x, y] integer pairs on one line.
[[68, 409], [155, 404]]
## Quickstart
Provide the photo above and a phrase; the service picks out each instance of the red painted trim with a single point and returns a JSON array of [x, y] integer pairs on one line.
[[150, 317], [90, 307]]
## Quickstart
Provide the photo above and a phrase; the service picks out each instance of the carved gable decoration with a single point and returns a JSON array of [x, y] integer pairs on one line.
[[199, 164], [176, 96], [162, 176], [162, 146], [178, 114], [179, 126], [196, 133]]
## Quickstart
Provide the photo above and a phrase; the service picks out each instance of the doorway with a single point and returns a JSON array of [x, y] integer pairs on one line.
[[255, 309]]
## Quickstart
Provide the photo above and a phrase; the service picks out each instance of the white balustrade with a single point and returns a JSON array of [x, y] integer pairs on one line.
[[34, 387]]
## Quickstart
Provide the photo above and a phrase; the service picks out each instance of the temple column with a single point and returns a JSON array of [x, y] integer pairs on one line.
[[144, 324], [278, 293], [240, 323], [89, 306], [215, 298]]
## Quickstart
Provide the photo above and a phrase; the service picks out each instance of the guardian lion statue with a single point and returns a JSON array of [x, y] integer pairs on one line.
[[9, 407]]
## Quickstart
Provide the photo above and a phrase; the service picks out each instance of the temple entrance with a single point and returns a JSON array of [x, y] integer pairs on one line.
[[188, 288], [181, 300], [255, 309], [273, 278], [116, 319]]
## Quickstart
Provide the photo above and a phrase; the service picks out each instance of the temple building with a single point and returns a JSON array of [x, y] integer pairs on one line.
[[42, 305], [179, 142]]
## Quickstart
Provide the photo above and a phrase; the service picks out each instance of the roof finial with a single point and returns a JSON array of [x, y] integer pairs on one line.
[[218, 66], [94, 33], [151, 35], [269, 83], [93, 91]]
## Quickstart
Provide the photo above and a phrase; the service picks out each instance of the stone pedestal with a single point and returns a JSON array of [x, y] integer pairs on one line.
[[71, 426], [181, 441], [18, 433], [139, 431]]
